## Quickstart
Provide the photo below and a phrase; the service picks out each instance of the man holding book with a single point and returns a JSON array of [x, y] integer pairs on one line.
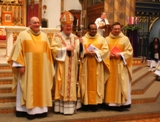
[[118, 86], [94, 72]]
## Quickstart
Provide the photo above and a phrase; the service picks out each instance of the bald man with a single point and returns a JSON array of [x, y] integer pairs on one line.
[[101, 22], [33, 72]]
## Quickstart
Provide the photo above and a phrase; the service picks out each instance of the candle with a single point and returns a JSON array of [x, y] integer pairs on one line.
[[136, 20], [132, 20], [128, 20]]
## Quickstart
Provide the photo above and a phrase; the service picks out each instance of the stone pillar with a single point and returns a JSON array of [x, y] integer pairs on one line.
[[130, 10], [109, 9], [119, 10]]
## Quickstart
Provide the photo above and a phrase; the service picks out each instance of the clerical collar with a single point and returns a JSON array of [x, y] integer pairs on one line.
[[91, 35], [34, 33], [66, 36]]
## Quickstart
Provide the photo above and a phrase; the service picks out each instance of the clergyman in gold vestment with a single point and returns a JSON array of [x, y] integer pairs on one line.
[[118, 86], [33, 72], [65, 49], [94, 72]]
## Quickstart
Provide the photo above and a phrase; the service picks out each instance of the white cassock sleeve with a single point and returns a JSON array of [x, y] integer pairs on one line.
[[61, 54]]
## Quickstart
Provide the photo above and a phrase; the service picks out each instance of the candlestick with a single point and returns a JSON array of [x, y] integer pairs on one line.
[[20, 13], [77, 22], [0, 11]]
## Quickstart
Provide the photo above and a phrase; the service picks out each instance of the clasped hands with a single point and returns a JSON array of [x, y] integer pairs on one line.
[[21, 70], [70, 47], [90, 53], [115, 55]]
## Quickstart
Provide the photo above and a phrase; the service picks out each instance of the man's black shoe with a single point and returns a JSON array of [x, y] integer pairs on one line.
[[43, 115], [126, 106], [94, 108], [85, 107], [20, 114], [30, 117]]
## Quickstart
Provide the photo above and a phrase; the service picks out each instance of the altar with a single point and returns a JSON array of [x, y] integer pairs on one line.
[[11, 33]]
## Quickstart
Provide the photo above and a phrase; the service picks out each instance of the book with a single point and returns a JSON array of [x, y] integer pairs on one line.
[[91, 47], [115, 49], [123, 59]]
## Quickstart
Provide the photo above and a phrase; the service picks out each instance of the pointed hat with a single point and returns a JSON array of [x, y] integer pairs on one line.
[[66, 18]]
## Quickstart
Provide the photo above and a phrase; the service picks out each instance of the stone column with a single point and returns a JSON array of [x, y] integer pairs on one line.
[[119, 10], [109, 9], [130, 10]]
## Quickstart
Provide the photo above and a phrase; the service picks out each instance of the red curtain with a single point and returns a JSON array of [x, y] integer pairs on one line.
[[32, 10]]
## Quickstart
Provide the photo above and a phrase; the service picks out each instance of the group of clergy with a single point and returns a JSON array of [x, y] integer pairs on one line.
[[81, 72]]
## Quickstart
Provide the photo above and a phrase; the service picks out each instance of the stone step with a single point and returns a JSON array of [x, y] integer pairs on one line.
[[6, 108], [138, 75], [7, 98], [141, 86], [6, 80], [151, 94], [4, 66], [6, 73], [144, 89], [136, 68], [7, 88]]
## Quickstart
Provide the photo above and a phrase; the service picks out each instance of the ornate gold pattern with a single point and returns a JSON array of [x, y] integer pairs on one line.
[[15, 34], [50, 36]]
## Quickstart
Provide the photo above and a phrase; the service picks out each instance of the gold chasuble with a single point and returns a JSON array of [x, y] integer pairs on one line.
[[33, 52], [66, 69], [94, 74], [117, 89]]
